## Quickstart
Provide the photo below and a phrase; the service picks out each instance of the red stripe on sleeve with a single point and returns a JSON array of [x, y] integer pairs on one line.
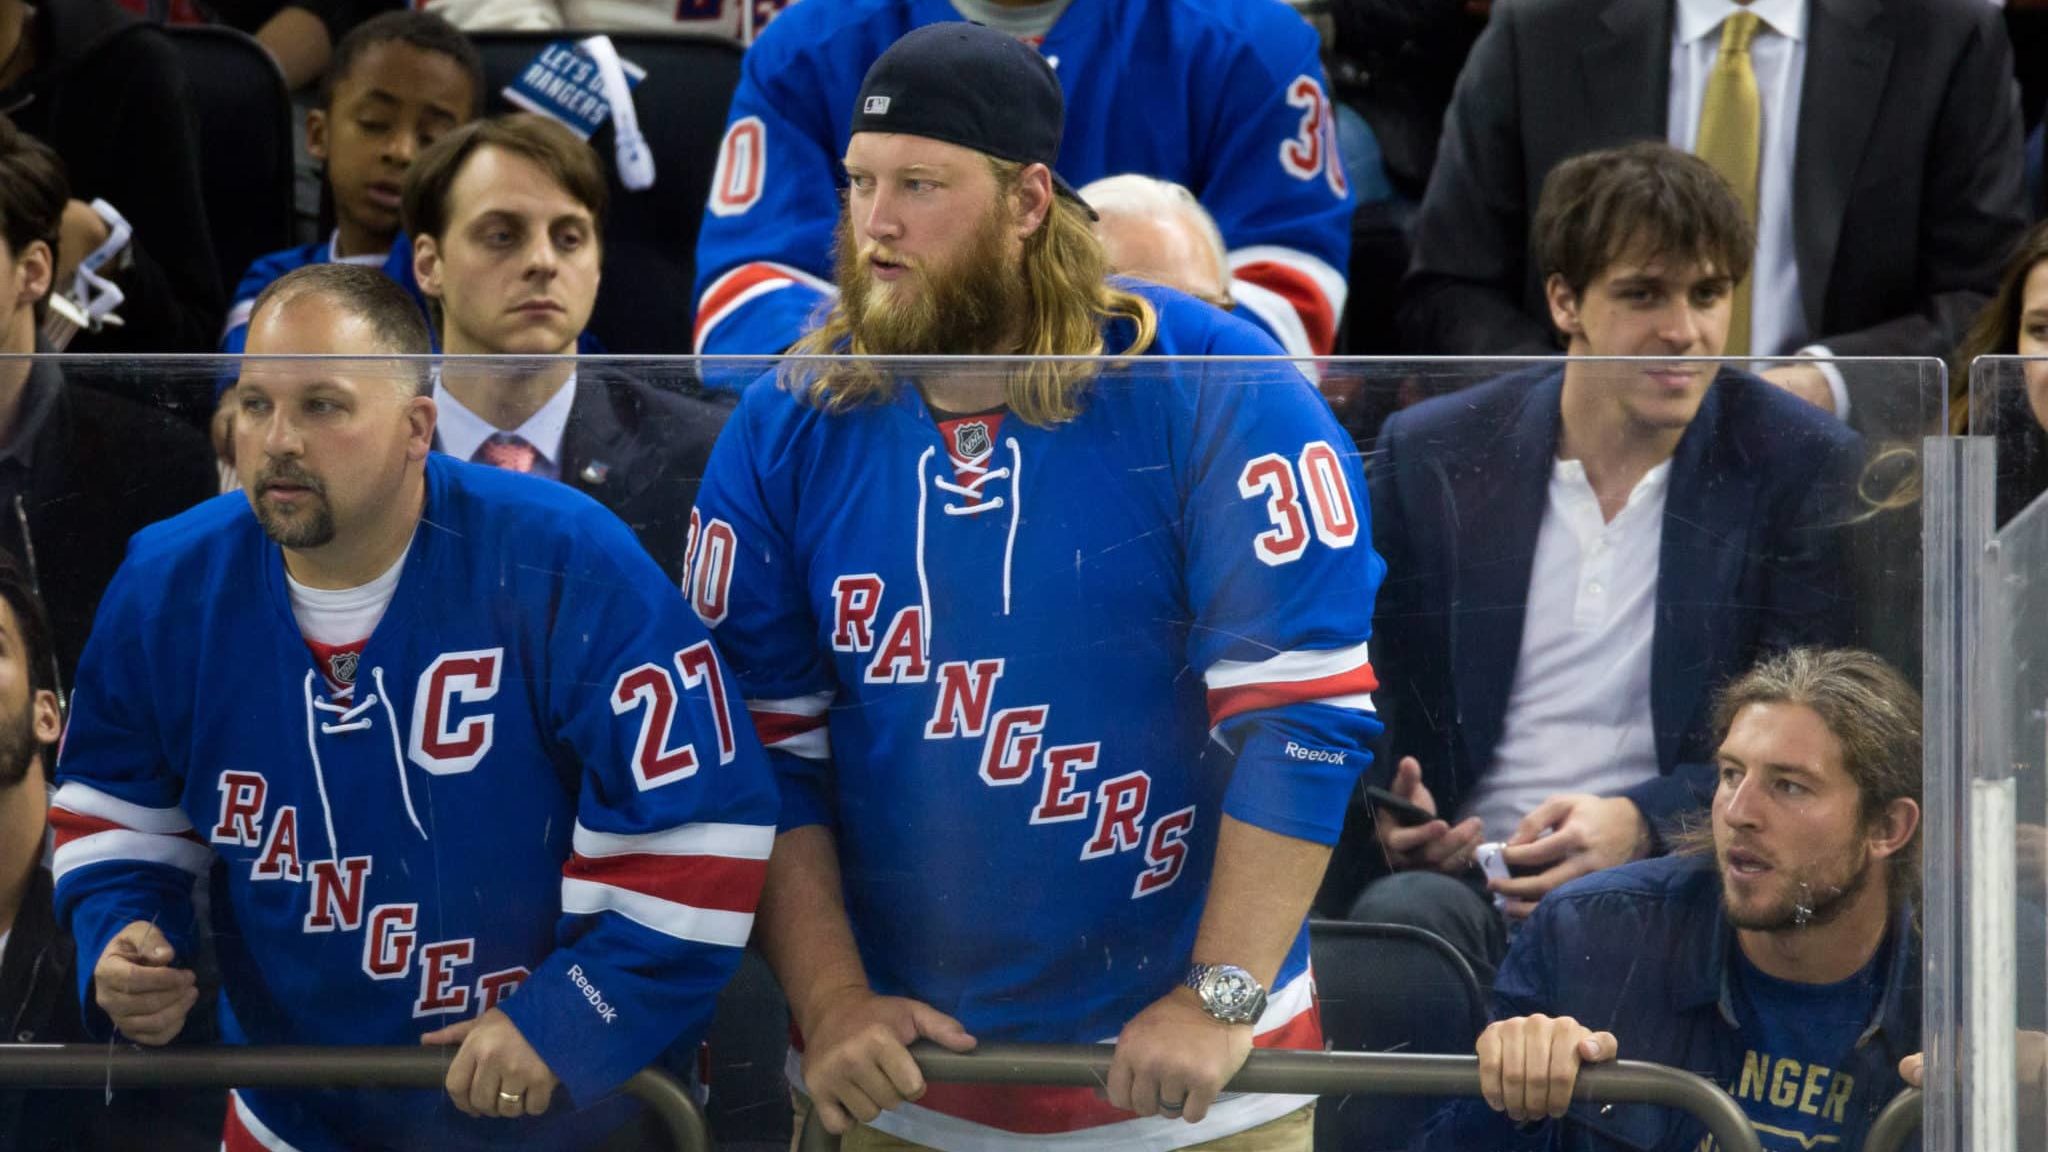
[[1227, 702], [775, 727], [727, 289], [1318, 314], [69, 826], [721, 883]]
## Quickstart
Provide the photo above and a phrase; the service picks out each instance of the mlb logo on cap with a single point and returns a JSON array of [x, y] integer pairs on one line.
[[876, 106]]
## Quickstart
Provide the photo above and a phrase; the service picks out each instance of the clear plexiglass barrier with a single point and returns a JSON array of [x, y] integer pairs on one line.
[[1986, 781], [575, 718]]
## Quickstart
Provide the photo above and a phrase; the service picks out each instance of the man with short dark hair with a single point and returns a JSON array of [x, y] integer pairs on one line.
[[1780, 938], [1577, 554], [1061, 661], [460, 762], [397, 326], [107, 93], [80, 470], [507, 220], [38, 1001]]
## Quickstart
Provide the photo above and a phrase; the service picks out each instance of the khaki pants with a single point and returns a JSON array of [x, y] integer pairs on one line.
[[1294, 1132]]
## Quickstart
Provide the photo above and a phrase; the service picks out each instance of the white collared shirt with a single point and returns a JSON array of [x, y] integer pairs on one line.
[[1777, 324], [1578, 715], [462, 431]]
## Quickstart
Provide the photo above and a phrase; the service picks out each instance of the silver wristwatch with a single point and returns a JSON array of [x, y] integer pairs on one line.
[[1228, 993]]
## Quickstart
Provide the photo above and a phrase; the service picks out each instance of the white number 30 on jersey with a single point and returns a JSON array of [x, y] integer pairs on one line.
[[1312, 150], [1329, 507]]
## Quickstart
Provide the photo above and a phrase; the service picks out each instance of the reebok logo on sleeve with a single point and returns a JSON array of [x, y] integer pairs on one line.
[[1317, 755], [597, 1001]]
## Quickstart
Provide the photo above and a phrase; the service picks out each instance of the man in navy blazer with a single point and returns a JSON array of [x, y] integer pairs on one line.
[[1579, 554]]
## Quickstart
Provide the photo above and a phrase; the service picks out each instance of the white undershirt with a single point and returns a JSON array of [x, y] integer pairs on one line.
[[1578, 716], [343, 615], [3, 944]]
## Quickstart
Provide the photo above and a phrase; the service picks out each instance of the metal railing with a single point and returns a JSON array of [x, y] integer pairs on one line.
[[1889, 1131], [94, 1066], [1329, 1074]]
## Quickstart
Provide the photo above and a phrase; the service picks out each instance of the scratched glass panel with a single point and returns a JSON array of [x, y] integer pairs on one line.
[[604, 709]]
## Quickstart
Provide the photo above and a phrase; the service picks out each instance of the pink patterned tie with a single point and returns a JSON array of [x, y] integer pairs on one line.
[[509, 451]]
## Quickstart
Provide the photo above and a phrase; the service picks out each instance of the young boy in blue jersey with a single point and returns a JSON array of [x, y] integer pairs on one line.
[[462, 767], [396, 84], [1775, 953], [1062, 665]]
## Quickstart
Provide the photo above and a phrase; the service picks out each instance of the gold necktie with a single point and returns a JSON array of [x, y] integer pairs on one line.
[[1731, 123]]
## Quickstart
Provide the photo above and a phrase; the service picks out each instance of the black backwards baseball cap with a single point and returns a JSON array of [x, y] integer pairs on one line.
[[969, 85]]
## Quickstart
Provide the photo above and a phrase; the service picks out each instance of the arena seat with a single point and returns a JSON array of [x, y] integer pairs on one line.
[[1388, 988], [245, 143], [647, 301]]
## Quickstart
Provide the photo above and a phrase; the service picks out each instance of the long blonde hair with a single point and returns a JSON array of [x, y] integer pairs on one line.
[[1069, 300]]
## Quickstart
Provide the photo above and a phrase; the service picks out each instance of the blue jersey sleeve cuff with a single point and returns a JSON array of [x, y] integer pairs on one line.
[[95, 921], [577, 1015], [1296, 769]]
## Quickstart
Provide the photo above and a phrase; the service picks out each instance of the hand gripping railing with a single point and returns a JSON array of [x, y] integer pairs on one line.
[[1889, 1131], [1330, 1074], [235, 1066]]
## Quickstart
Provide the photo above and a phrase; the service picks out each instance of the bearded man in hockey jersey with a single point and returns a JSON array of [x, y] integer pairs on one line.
[[460, 766], [1062, 668]]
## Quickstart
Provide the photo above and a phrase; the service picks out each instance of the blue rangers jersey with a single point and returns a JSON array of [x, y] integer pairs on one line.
[[1022, 672], [267, 270], [537, 799], [1224, 96]]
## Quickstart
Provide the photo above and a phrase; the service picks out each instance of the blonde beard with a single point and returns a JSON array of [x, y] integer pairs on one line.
[[972, 305]]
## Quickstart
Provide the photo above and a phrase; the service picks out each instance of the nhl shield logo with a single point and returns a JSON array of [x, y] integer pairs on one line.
[[342, 667], [971, 439]]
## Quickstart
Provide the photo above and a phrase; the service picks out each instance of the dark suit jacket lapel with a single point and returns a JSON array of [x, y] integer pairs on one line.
[[1627, 66], [1848, 53], [1500, 509], [599, 454], [1707, 521]]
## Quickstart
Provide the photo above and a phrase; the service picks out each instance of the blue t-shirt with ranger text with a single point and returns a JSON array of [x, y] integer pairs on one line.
[[1797, 1038]]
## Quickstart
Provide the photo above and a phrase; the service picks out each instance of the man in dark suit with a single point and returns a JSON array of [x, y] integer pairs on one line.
[[1578, 554], [1885, 183], [38, 958], [81, 470], [507, 219]]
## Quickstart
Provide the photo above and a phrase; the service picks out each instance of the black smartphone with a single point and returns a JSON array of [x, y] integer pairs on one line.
[[1405, 814]]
